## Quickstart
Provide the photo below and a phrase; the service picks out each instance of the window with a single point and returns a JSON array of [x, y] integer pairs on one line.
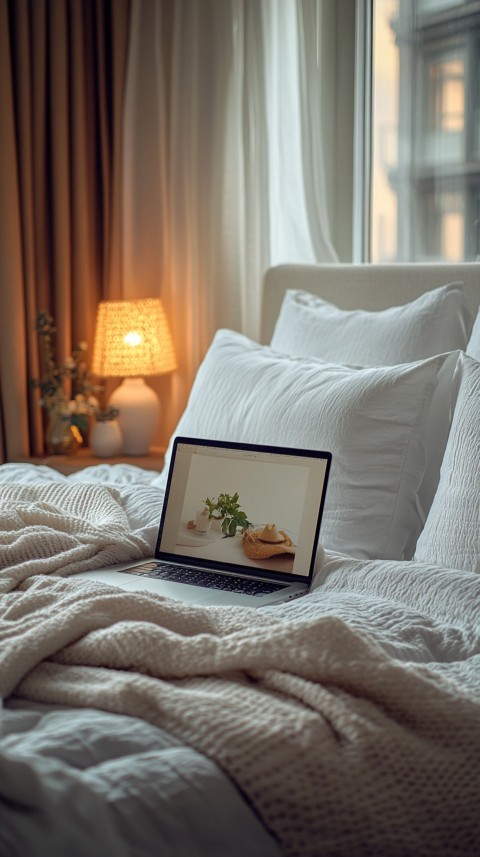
[[421, 185]]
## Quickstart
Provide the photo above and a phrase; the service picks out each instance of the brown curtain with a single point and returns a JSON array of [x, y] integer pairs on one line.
[[62, 74]]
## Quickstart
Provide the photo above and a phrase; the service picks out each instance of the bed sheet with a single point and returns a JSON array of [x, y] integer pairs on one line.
[[80, 781]]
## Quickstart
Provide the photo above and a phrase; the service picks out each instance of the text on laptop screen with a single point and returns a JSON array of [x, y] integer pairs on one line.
[[245, 508]]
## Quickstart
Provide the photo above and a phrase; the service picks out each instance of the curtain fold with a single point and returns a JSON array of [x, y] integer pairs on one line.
[[223, 164], [11, 264], [62, 68]]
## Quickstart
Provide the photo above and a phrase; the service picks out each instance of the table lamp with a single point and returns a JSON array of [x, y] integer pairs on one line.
[[132, 340]]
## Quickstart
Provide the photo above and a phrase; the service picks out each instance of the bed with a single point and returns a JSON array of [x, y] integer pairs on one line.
[[344, 723]]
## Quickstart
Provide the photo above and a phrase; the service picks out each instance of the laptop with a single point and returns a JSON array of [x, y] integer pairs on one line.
[[240, 525]]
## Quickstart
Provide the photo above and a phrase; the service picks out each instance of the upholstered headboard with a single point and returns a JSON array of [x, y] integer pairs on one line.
[[371, 287]]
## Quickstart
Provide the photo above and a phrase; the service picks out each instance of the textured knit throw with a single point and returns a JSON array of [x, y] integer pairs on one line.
[[341, 749], [62, 528]]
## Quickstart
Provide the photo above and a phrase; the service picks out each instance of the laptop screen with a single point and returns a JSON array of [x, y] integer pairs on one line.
[[246, 508]]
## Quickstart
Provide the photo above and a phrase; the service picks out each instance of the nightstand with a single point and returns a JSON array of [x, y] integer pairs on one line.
[[84, 457]]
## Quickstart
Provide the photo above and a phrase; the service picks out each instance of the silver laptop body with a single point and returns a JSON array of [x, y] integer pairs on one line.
[[240, 525]]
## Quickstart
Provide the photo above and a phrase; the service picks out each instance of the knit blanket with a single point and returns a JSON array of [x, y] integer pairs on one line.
[[63, 528], [339, 747]]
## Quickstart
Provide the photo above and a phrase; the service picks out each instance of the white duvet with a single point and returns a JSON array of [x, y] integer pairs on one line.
[[349, 720]]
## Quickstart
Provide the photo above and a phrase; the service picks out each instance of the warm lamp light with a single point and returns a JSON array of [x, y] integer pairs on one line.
[[132, 339]]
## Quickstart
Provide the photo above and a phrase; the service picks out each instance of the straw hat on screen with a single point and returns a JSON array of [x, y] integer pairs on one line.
[[266, 542]]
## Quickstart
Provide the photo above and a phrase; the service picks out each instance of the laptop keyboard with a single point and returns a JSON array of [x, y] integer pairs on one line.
[[208, 579]]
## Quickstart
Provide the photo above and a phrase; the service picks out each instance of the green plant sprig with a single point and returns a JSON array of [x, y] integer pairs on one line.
[[229, 511]]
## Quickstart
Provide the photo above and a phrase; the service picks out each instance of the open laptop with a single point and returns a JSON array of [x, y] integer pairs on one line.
[[240, 525]]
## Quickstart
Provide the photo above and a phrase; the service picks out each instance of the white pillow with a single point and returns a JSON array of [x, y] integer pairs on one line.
[[451, 536], [372, 420], [438, 321], [473, 347]]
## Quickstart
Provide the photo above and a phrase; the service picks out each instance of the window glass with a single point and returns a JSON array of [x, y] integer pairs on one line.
[[425, 131], [442, 132]]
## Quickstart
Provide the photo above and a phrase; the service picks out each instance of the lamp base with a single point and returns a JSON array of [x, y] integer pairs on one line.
[[139, 415]]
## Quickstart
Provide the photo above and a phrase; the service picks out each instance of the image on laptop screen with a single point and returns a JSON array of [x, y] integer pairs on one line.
[[243, 507]]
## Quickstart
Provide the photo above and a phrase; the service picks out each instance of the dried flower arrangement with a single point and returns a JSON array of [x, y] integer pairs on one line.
[[69, 405]]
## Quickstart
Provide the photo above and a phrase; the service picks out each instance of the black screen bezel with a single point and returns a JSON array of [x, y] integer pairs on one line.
[[233, 568]]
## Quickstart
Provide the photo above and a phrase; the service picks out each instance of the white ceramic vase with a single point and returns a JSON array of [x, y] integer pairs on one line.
[[203, 520], [106, 439]]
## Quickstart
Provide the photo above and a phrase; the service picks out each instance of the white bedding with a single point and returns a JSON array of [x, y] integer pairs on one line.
[[379, 666], [344, 723], [101, 783], [104, 784]]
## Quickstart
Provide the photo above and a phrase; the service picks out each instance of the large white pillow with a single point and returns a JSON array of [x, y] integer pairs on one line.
[[473, 346], [451, 536], [438, 321], [373, 421]]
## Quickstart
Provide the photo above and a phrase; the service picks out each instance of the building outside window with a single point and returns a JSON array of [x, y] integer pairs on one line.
[[424, 159]]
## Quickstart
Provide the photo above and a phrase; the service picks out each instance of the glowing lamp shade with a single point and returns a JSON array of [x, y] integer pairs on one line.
[[133, 340]]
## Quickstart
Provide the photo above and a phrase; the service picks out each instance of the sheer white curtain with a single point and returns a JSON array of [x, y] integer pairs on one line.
[[223, 162]]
